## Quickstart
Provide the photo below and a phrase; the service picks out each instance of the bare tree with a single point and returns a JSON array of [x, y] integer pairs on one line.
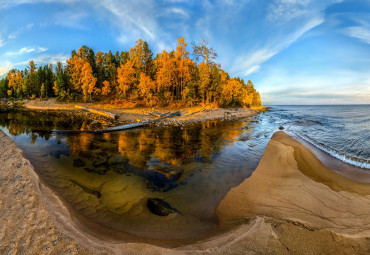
[[202, 51]]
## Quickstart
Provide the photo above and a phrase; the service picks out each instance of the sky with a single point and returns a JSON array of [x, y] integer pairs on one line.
[[294, 51]]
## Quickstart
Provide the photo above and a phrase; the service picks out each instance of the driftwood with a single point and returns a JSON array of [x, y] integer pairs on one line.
[[135, 125], [118, 128], [99, 112]]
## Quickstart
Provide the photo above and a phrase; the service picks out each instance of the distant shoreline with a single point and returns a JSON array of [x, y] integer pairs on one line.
[[130, 115]]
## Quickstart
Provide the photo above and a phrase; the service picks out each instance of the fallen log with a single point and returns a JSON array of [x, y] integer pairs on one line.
[[135, 125], [117, 128], [98, 112]]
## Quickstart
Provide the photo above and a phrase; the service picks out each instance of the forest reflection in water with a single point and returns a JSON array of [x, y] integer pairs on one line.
[[161, 182]]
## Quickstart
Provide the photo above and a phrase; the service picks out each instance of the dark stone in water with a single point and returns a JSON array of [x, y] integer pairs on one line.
[[170, 172], [78, 162], [159, 207], [281, 128]]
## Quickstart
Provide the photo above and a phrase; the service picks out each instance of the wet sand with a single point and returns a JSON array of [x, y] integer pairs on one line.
[[292, 204]]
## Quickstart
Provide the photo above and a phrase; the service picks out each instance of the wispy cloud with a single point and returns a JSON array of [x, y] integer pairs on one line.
[[49, 59], [15, 34], [26, 50], [361, 30], [71, 19], [11, 3], [2, 42], [5, 67], [250, 62], [362, 33]]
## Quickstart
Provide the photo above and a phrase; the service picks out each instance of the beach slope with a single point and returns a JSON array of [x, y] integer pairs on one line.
[[315, 210]]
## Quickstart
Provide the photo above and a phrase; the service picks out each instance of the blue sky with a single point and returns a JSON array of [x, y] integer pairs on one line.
[[294, 51]]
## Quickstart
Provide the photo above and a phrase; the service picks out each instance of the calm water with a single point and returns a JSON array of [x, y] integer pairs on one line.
[[166, 182], [114, 178]]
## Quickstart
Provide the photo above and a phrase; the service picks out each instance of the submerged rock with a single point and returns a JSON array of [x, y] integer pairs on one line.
[[160, 207], [281, 128], [78, 162], [170, 172]]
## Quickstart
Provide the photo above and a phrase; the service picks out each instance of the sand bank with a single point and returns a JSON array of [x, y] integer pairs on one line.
[[292, 204], [127, 115]]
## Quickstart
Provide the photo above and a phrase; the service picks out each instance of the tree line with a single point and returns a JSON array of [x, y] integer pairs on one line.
[[135, 76]]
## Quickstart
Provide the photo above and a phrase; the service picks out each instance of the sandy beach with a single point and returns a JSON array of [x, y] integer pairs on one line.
[[292, 204], [127, 115]]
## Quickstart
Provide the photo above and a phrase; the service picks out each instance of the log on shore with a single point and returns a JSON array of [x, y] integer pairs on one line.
[[99, 112], [135, 125]]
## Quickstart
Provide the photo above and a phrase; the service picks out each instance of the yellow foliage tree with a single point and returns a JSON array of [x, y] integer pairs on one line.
[[232, 91], [126, 78], [106, 88], [146, 88], [88, 81], [81, 75], [166, 73]]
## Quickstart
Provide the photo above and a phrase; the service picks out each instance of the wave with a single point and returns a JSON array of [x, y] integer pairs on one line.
[[353, 160]]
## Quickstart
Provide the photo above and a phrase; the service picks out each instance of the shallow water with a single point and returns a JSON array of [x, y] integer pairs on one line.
[[112, 178]]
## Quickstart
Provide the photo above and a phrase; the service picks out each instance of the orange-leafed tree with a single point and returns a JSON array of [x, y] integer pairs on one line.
[[15, 79], [88, 81], [126, 78], [106, 89], [183, 65], [166, 75], [74, 69], [232, 92], [147, 88]]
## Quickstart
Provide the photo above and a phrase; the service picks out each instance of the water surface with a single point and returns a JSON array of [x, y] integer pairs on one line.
[[112, 178]]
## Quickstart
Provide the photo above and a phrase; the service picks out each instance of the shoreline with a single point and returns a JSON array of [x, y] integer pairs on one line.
[[131, 115], [264, 212]]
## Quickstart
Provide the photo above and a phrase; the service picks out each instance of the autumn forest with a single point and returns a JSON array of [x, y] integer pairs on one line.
[[135, 76]]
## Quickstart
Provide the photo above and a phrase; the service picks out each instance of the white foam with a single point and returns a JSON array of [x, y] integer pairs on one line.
[[359, 162]]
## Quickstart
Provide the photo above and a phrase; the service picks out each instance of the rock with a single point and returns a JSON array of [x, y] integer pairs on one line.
[[281, 128], [160, 207], [170, 172], [78, 162]]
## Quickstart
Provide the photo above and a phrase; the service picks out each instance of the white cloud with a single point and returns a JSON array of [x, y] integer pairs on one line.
[[15, 34], [11, 3], [71, 19], [50, 59], [178, 11], [2, 42], [287, 10], [26, 50], [361, 33], [250, 62], [5, 67]]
